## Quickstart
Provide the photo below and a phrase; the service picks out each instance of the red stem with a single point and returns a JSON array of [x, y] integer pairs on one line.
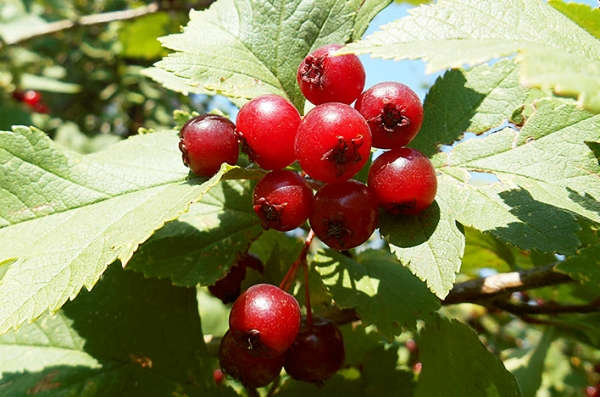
[[289, 277]]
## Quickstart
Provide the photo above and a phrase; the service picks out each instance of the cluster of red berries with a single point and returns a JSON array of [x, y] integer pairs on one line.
[[331, 143], [31, 98], [267, 333]]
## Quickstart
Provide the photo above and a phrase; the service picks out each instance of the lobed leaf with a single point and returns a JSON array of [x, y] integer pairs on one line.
[[430, 244], [383, 292], [201, 245], [450, 34], [547, 175], [473, 101], [243, 48], [64, 217]]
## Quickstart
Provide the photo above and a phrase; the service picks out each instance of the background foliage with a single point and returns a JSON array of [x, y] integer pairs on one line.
[[496, 284]]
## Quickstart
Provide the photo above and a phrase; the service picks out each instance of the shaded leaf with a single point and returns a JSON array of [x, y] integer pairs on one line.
[[456, 363], [129, 336], [584, 267], [383, 292], [200, 246]]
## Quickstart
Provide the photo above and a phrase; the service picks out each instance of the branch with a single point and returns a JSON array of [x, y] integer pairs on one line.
[[93, 19], [545, 308], [504, 283]]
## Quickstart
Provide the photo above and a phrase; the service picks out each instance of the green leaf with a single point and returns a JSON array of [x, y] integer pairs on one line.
[[200, 246], [129, 336], [529, 367], [65, 217], [584, 267], [582, 14], [430, 244], [383, 292], [450, 34], [456, 363], [486, 251], [42, 83], [474, 101], [546, 171], [244, 48]]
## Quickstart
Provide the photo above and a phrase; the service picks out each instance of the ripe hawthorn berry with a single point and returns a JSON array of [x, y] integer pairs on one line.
[[317, 353], [283, 200], [265, 320], [394, 114], [403, 180], [333, 142], [228, 288], [250, 370], [267, 127], [345, 214], [325, 78], [206, 142]]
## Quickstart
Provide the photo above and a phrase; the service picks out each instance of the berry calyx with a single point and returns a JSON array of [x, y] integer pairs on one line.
[[228, 288], [250, 370], [333, 142], [394, 114], [265, 320], [283, 200], [345, 214], [403, 181], [267, 128], [325, 78], [317, 353], [206, 142]]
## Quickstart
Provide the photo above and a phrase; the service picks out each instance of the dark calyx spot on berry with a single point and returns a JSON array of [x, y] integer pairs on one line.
[[336, 229], [398, 208], [312, 71], [344, 153], [271, 213], [184, 153], [391, 118], [246, 148]]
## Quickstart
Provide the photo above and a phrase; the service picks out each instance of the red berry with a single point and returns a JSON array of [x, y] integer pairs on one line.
[[228, 288], [325, 78], [206, 142], [403, 180], [317, 353], [218, 376], [265, 320], [267, 128], [333, 142], [345, 214], [283, 200], [250, 370], [394, 113], [31, 97]]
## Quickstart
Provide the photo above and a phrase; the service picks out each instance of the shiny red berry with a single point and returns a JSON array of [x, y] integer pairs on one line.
[[283, 200], [403, 180], [265, 320], [206, 142], [333, 142], [267, 128], [345, 214], [394, 113], [325, 78]]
